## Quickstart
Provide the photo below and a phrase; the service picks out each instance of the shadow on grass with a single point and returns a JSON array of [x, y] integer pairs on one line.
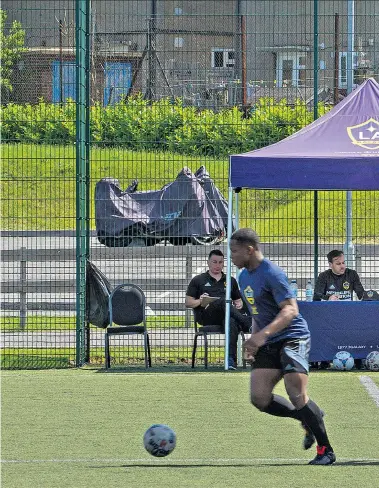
[[179, 368]]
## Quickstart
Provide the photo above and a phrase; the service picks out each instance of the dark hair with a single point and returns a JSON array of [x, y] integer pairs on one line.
[[215, 252], [246, 236], [334, 254]]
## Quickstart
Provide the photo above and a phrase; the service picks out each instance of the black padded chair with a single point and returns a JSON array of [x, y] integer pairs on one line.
[[205, 331], [127, 309]]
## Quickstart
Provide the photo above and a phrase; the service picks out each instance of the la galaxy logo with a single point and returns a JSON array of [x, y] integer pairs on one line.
[[346, 285], [366, 134], [249, 294]]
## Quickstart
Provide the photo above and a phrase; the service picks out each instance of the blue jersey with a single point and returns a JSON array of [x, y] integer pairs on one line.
[[263, 289]]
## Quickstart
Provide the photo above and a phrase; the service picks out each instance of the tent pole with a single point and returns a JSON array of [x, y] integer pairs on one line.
[[236, 226], [349, 249], [228, 272], [315, 233], [315, 116]]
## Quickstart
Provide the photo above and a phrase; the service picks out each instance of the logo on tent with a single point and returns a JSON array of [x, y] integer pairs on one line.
[[366, 134]]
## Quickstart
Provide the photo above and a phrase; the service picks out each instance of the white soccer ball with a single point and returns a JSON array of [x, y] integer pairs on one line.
[[159, 440], [372, 361], [343, 361]]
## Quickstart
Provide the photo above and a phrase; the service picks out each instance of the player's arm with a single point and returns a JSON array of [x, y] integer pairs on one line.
[[358, 287], [288, 311]]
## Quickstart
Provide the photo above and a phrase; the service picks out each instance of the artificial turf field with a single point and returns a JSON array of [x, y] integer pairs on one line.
[[84, 428]]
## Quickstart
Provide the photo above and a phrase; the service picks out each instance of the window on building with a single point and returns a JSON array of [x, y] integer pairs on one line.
[[223, 58], [68, 83], [290, 69], [178, 42]]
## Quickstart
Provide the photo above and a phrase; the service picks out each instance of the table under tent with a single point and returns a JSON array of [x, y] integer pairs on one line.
[[338, 151]]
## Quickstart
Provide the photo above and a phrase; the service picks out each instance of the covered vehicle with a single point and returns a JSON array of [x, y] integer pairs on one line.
[[189, 209]]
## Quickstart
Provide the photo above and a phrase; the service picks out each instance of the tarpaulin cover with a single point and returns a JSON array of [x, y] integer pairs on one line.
[[191, 205]]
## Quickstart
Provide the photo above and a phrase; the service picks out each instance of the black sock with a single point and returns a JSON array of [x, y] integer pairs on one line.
[[280, 407], [311, 415]]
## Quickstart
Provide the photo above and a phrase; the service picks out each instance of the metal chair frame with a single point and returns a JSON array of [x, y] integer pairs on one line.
[[207, 330]]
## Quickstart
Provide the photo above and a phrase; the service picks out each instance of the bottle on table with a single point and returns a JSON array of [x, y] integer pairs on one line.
[[294, 288], [309, 292]]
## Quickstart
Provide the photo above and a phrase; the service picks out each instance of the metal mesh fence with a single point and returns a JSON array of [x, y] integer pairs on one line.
[[174, 86]]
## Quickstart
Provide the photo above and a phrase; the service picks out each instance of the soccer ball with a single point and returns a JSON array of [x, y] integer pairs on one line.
[[372, 361], [159, 440], [343, 360]]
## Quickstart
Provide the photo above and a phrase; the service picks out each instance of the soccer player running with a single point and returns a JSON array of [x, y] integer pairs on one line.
[[279, 345]]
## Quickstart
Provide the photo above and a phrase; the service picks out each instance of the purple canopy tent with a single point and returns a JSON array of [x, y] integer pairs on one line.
[[338, 151], [345, 142]]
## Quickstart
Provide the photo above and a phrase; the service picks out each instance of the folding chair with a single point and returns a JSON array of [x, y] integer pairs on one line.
[[127, 309], [205, 331]]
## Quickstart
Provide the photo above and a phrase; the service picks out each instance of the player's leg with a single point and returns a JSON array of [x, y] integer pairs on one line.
[[266, 373], [262, 383], [295, 369]]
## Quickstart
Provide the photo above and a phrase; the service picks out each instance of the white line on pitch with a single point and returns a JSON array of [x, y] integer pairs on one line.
[[371, 387], [174, 462]]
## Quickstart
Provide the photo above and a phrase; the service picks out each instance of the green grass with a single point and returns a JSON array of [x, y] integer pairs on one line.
[[121, 357], [296, 220], [46, 323], [38, 178], [84, 428]]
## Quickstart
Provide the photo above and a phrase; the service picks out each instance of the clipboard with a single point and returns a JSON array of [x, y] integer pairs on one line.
[[207, 300]]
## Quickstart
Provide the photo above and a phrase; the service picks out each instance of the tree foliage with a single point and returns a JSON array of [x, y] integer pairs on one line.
[[11, 48]]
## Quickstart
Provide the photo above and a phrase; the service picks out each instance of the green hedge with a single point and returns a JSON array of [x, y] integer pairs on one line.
[[135, 124]]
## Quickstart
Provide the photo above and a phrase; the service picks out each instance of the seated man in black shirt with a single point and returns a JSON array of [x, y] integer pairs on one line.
[[338, 283], [213, 284]]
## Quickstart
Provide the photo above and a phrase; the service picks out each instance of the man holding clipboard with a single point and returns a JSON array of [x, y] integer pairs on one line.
[[206, 295]]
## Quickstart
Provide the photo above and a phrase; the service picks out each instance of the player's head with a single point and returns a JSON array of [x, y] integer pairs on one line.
[[216, 261], [244, 243], [336, 261]]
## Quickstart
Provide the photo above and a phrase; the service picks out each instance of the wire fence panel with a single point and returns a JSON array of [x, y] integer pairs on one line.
[[171, 89], [38, 185]]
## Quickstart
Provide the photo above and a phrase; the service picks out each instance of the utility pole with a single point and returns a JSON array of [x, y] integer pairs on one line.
[[151, 49], [349, 249]]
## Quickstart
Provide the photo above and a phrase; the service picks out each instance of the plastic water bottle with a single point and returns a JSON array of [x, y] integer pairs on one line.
[[309, 292], [294, 288]]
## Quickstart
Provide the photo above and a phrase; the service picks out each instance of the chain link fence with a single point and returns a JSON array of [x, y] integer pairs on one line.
[[168, 90]]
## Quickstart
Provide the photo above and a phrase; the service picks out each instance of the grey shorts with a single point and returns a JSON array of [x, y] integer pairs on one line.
[[288, 355]]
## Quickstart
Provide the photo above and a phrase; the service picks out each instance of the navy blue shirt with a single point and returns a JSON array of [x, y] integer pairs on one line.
[[263, 289]]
